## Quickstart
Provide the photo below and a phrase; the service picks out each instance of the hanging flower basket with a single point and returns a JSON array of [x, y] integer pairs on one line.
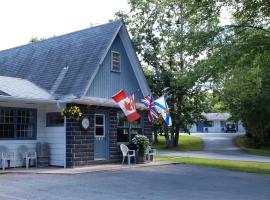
[[72, 111]]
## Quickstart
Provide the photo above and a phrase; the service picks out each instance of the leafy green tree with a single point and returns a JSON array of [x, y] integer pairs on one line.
[[37, 39], [214, 103], [170, 36], [187, 51], [239, 66]]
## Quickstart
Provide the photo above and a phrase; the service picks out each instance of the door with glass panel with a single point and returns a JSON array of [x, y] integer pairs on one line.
[[101, 148]]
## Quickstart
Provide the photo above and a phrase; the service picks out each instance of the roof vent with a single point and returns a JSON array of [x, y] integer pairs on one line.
[[59, 79]]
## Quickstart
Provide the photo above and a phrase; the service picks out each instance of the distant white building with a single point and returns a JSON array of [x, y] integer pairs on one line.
[[215, 123]]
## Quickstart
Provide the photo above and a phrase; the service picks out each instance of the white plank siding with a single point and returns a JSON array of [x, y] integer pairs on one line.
[[55, 136], [12, 146], [216, 128]]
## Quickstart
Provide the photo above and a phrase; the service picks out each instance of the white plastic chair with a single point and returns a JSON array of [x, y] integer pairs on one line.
[[127, 153], [28, 155], [151, 152], [6, 156]]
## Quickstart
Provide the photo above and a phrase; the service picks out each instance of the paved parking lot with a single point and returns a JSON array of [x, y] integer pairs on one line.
[[159, 183]]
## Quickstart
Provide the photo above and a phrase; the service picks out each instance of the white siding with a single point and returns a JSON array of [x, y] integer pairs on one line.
[[216, 128], [55, 136], [241, 128], [193, 128], [12, 145]]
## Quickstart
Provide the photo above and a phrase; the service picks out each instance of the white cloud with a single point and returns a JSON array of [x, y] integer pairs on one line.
[[20, 20]]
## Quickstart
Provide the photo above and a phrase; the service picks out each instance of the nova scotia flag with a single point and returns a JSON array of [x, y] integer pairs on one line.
[[162, 107]]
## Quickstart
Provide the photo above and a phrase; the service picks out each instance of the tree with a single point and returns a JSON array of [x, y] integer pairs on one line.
[[188, 51], [170, 36], [37, 39], [240, 65]]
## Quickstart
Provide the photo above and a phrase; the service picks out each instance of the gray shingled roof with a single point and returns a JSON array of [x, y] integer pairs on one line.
[[22, 88], [61, 65]]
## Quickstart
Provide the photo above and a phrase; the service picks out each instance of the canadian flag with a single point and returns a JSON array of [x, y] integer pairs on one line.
[[127, 104]]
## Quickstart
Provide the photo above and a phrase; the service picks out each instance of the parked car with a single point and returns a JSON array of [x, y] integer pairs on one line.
[[230, 128]]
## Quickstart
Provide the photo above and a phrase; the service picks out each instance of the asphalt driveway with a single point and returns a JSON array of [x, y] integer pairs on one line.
[[219, 146], [159, 183], [221, 143]]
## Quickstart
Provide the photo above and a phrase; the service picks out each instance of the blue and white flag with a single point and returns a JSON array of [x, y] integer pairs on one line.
[[162, 107]]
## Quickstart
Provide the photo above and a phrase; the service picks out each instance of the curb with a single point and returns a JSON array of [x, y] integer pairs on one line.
[[83, 170]]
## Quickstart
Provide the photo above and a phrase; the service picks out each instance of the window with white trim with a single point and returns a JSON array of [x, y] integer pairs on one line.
[[17, 123], [116, 62], [99, 125]]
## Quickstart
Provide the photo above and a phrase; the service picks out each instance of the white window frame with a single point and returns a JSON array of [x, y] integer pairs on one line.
[[18, 125], [99, 125], [113, 70]]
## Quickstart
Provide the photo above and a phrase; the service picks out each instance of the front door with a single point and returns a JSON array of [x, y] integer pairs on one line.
[[101, 136]]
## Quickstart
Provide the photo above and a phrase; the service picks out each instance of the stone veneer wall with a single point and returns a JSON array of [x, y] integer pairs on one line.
[[80, 143], [147, 127]]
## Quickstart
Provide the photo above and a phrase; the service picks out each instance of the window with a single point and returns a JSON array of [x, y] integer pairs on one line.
[[222, 123], [208, 124], [99, 125], [126, 130], [16, 123], [116, 62], [55, 119]]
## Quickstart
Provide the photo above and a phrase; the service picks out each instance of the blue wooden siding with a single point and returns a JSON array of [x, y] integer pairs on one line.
[[108, 83]]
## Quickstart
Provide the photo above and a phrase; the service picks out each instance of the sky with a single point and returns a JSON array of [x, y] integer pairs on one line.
[[22, 19]]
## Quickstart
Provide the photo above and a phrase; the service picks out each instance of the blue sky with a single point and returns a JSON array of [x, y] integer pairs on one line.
[[22, 19]]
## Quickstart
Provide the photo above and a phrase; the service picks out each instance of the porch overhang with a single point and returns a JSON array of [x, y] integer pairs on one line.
[[101, 102], [96, 101], [26, 100]]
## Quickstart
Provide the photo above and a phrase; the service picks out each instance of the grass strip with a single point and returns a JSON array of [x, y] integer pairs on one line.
[[232, 165], [242, 142], [186, 143]]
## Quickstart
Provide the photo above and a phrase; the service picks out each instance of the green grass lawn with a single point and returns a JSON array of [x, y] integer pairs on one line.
[[186, 143], [241, 166], [242, 143]]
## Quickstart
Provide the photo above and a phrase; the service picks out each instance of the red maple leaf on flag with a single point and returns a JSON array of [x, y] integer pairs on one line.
[[128, 106], [130, 103]]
